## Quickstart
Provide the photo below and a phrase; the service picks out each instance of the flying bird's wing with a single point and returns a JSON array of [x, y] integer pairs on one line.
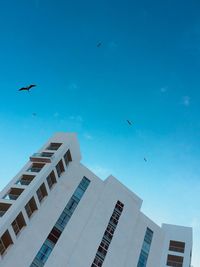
[[145, 159], [31, 86], [23, 89], [129, 122]]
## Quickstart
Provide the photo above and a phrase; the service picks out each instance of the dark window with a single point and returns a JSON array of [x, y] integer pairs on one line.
[[67, 157], [5, 242], [3, 208], [51, 179], [108, 235], [18, 223], [97, 262], [41, 192], [31, 207], [177, 246], [54, 235], [60, 168], [174, 261]]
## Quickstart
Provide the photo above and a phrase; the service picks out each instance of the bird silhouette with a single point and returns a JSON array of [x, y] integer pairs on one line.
[[27, 88], [129, 122], [145, 159], [99, 44]]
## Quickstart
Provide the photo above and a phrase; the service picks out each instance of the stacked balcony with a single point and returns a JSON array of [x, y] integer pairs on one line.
[[36, 167], [54, 146], [13, 193], [25, 179], [45, 157]]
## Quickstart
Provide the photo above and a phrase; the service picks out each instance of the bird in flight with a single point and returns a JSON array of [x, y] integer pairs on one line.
[[27, 88], [129, 122], [34, 114], [145, 159], [99, 44]]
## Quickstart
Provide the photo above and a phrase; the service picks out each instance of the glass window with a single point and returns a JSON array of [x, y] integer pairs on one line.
[[44, 253], [145, 248], [55, 233], [79, 193]]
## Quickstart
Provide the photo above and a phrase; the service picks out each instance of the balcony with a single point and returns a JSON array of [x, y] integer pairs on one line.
[[36, 167], [45, 157], [25, 179], [3, 208], [13, 194], [54, 146]]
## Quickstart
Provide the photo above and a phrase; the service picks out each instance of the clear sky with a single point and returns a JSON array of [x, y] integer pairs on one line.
[[145, 70]]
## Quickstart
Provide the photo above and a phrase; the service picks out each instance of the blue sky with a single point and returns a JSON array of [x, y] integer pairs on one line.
[[146, 70]]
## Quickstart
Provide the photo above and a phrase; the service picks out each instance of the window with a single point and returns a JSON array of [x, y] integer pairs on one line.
[[31, 207], [60, 168], [145, 248], [103, 248], [79, 193], [41, 192], [174, 261], [51, 179], [5, 242], [98, 262], [72, 204], [54, 235], [63, 220], [57, 230], [18, 223], [177, 246], [106, 240], [54, 146], [67, 157], [114, 218], [3, 208], [13, 193], [43, 253]]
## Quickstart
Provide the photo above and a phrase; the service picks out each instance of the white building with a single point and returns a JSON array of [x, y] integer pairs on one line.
[[57, 213]]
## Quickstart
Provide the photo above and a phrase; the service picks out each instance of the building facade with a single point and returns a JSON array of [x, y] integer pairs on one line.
[[56, 212]]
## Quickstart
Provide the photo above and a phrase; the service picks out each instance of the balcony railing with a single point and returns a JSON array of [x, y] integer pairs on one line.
[[23, 182], [34, 169], [11, 197], [42, 157]]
